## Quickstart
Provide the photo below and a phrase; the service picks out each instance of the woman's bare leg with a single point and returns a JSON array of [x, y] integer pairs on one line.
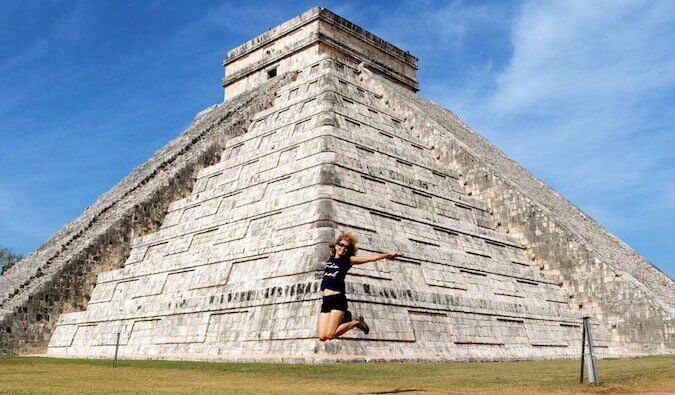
[[324, 326], [336, 327], [344, 328], [334, 322]]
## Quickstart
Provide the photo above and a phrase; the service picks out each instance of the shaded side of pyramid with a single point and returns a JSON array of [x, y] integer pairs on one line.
[[59, 276]]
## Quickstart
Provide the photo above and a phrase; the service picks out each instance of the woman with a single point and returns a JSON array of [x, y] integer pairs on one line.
[[335, 320]]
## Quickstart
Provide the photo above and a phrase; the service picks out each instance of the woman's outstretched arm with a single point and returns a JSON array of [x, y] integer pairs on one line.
[[357, 260]]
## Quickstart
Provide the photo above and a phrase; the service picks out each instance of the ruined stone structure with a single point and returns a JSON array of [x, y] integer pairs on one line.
[[214, 248]]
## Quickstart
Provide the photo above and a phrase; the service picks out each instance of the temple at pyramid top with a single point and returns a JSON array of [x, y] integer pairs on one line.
[[302, 40]]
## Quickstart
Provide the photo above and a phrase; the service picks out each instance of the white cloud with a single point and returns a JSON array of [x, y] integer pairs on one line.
[[584, 89], [598, 52], [586, 103]]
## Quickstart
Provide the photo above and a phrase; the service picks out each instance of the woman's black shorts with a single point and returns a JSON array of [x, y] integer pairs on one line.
[[334, 302]]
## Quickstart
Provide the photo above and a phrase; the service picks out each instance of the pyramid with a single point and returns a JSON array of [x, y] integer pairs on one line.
[[214, 248]]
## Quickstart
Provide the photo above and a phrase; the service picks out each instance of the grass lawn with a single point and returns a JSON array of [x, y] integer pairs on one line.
[[21, 375]]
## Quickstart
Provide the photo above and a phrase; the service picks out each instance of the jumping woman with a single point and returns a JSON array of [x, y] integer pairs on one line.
[[335, 320]]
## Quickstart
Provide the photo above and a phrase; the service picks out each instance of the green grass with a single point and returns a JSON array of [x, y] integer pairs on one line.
[[24, 375]]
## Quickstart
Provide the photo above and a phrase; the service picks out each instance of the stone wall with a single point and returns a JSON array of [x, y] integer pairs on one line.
[[59, 276], [629, 297], [293, 45]]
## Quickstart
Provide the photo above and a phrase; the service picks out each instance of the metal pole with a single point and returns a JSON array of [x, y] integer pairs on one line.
[[583, 350], [592, 368], [588, 359], [117, 347]]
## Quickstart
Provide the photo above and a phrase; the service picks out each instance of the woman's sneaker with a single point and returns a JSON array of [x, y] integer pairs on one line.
[[362, 325]]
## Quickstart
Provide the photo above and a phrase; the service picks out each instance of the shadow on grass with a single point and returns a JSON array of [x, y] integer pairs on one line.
[[394, 391]]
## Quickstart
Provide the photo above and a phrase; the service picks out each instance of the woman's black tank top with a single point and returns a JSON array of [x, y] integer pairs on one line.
[[334, 273]]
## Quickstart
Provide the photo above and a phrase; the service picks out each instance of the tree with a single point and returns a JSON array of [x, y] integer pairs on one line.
[[8, 258]]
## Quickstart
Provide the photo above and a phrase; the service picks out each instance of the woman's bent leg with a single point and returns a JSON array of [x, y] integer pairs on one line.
[[334, 321], [324, 326], [345, 327], [337, 327]]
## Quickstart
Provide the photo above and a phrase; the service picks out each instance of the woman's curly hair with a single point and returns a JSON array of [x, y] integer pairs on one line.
[[351, 250]]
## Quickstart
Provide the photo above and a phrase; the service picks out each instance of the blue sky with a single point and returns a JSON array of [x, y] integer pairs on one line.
[[579, 92]]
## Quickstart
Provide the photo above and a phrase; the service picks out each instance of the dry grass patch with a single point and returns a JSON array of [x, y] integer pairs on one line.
[[26, 375]]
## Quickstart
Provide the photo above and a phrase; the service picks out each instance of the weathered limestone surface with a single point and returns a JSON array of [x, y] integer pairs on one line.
[[298, 42], [214, 249], [632, 299], [59, 276]]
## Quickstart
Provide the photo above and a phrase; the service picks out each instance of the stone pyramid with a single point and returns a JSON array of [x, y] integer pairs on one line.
[[214, 248]]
